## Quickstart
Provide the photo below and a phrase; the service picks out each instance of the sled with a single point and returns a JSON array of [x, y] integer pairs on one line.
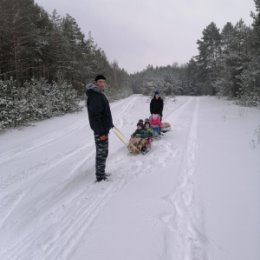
[[138, 145], [166, 127]]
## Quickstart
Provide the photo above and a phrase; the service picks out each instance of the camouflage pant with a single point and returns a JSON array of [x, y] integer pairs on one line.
[[101, 156]]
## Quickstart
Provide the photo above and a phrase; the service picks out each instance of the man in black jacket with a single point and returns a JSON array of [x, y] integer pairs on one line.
[[156, 105], [100, 120]]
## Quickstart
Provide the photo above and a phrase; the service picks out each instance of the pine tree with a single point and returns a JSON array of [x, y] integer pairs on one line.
[[256, 29], [19, 36], [250, 78], [207, 60], [43, 60], [234, 58]]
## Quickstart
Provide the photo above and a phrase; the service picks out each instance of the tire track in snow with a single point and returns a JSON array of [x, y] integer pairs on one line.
[[23, 245], [72, 213], [74, 224], [184, 223], [42, 142], [177, 111], [51, 138], [13, 200], [130, 170], [74, 230], [44, 168], [128, 106], [127, 172]]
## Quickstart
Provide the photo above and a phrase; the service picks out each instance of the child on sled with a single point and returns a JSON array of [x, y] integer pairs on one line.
[[148, 132], [139, 142], [156, 124]]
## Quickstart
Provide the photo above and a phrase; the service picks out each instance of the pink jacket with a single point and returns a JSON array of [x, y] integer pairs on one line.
[[155, 121]]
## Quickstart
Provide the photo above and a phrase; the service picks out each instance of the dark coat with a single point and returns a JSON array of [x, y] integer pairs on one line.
[[156, 106], [139, 133], [99, 113]]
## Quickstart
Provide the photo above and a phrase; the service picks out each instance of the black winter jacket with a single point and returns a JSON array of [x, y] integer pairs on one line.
[[156, 106], [99, 114]]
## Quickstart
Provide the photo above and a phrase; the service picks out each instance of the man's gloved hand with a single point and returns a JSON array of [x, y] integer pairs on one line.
[[103, 137]]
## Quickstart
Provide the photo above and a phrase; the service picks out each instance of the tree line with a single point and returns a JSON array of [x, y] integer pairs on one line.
[[47, 50], [228, 64]]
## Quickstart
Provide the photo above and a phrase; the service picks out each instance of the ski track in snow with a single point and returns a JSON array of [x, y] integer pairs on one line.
[[12, 197], [49, 138], [183, 224], [49, 201], [76, 201], [72, 212], [46, 141]]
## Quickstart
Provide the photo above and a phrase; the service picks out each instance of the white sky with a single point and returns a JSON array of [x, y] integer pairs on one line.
[[136, 33]]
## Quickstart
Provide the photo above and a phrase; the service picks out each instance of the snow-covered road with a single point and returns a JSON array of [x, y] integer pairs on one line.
[[194, 196]]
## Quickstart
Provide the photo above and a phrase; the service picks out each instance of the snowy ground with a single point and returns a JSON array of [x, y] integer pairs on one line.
[[194, 196]]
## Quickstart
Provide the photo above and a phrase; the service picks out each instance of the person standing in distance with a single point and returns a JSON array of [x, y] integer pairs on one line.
[[100, 120], [156, 104]]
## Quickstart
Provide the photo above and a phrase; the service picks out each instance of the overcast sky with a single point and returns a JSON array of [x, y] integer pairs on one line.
[[136, 33]]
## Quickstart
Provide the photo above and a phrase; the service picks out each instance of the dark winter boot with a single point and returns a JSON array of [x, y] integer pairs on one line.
[[99, 179]]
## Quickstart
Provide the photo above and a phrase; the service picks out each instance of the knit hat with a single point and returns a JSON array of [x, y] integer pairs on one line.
[[147, 124], [98, 77], [156, 92], [155, 116]]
